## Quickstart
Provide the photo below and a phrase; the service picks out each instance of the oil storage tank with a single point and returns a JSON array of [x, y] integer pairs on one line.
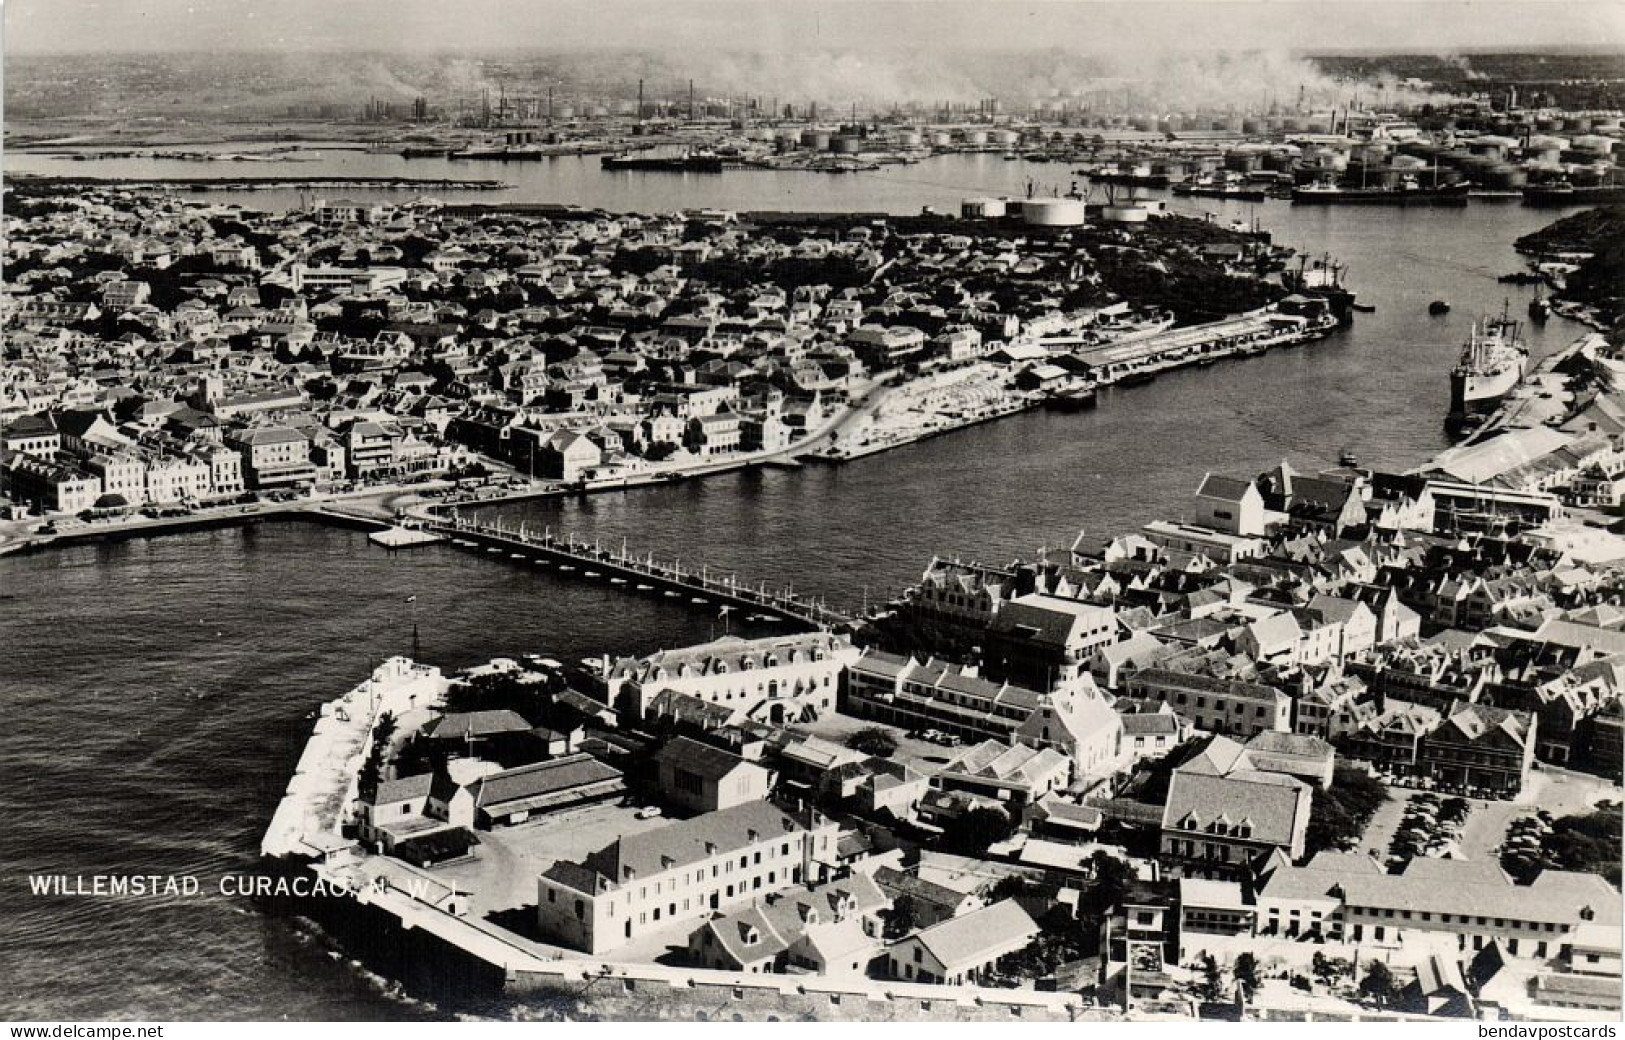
[[1054, 212]]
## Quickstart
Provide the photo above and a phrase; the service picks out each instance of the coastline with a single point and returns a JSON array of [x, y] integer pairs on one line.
[[371, 510]]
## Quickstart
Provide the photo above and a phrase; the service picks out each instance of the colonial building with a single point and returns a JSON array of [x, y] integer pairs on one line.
[[1228, 706], [1224, 814], [776, 679], [831, 929], [681, 872], [963, 950], [702, 778]]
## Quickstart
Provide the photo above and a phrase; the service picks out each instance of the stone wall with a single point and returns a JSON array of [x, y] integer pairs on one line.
[[584, 991]]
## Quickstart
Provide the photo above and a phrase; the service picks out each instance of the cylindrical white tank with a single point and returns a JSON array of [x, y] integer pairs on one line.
[[976, 137], [1054, 212]]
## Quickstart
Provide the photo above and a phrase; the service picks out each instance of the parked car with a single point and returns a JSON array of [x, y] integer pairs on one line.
[[648, 812]]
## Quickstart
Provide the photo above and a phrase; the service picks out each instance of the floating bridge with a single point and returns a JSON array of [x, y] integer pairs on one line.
[[641, 572]]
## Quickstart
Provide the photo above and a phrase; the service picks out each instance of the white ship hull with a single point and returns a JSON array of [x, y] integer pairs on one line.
[[1472, 393]]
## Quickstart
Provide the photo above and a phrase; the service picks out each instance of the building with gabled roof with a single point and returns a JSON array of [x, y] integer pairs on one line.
[[1081, 726], [1015, 775], [963, 950], [776, 679], [647, 881], [1306, 757], [1223, 815], [1479, 748], [703, 778], [830, 929]]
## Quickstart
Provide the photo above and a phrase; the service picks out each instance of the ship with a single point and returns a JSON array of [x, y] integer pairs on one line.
[[1226, 185], [1562, 193], [498, 154], [1128, 175], [1071, 398], [688, 162], [1408, 192], [1493, 360], [1324, 279], [423, 152]]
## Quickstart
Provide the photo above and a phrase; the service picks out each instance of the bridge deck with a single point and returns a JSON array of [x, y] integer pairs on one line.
[[727, 591]]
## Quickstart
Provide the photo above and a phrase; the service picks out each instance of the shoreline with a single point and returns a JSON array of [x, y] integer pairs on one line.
[[265, 183], [816, 448]]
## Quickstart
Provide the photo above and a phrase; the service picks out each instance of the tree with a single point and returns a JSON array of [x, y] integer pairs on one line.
[[1212, 985], [1340, 813], [1245, 971], [1587, 842], [372, 770], [1108, 885], [973, 832], [1329, 969], [1378, 983], [1010, 886], [901, 918], [873, 740]]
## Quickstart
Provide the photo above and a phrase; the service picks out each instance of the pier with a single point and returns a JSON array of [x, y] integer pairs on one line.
[[589, 559]]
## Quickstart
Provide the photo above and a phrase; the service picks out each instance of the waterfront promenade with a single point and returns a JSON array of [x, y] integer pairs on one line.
[[321, 796]]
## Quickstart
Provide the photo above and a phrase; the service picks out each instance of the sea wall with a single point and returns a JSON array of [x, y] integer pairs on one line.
[[585, 990]]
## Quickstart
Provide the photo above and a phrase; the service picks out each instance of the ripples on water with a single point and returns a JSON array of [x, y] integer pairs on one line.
[[157, 690]]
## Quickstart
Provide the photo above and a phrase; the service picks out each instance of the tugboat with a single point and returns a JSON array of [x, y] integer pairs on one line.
[[1492, 362], [1540, 308]]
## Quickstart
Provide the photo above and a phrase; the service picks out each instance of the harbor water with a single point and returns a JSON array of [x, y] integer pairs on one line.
[[158, 689]]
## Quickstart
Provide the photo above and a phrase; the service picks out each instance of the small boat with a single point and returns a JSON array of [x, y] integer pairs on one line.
[[617, 581], [591, 574], [1439, 307], [1540, 308], [645, 588], [516, 556], [672, 593], [565, 567], [1348, 458], [699, 601]]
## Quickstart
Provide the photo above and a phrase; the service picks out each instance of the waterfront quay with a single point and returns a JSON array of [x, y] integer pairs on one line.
[[322, 796]]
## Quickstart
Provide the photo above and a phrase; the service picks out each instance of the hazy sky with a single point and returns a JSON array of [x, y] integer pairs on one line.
[[54, 26]]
